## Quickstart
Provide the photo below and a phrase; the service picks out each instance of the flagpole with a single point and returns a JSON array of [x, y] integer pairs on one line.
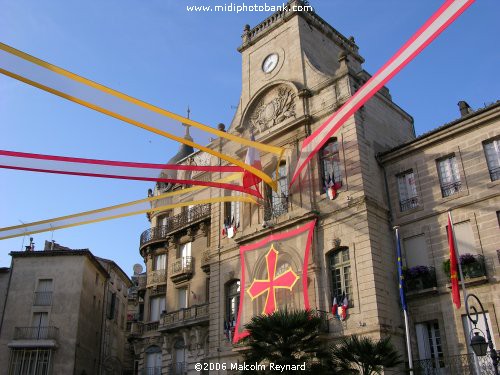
[[403, 300], [462, 280]]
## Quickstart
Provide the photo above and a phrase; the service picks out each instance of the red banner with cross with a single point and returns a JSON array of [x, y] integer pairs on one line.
[[274, 275]]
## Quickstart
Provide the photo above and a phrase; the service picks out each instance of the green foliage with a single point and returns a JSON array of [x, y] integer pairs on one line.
[[364, 356], [287, 338]]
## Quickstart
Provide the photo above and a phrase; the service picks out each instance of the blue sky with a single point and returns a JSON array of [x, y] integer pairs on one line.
[[157, 51]]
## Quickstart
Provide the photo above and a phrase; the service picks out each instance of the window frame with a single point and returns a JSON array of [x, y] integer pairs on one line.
[[494, 171], [455, 185], [411, 200], [341, 266], [337, 178]]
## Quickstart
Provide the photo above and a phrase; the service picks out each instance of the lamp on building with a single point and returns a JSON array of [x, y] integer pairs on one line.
[[478, 343]]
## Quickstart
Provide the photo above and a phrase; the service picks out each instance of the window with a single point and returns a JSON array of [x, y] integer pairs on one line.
[[429, 343], [157, 306], [330, 168], [416, 251], [110, 308], [179, 363], [160, 262], [185, 255], [232, 212], [277, 201], [449, 177], [30, 361], [153, 360], [340, 270], [408, 197], [232, 300], [492, 152], [43, 293], [464, 238], [284, 296], [182, 298]]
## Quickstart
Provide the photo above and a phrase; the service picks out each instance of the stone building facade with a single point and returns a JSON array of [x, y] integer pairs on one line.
[[296, 71], [59, 314]]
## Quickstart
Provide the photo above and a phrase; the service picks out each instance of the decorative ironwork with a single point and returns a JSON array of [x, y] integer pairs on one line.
[[417, 279], [474, 318], [186, 316], [42, 298], [408, 204], [36, 333], [277, 207], [450, 189], [150, 327], [175, 222], [156, 277], [472, 266], [454, 365], [182, 265], [151, 371], [178, 368]]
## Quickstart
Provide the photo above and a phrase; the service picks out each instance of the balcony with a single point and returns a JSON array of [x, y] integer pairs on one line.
[[178, 368], [174, 223], [277, 207], [194, 315], [451, 188], [182, 269], [408, 204], [151, 371], [25, 337], [454, 365], [473, 268], [420, 279], [42, 298], [156, 277]]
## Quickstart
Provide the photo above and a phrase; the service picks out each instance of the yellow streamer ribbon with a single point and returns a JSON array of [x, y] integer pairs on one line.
[[260, 146]]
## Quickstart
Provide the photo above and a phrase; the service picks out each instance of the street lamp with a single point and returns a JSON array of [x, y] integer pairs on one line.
[[478, 342]]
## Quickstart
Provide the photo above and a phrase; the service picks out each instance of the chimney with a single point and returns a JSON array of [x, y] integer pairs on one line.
[[465, 108]]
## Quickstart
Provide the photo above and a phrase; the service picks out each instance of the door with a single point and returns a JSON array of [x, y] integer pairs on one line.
[[39, 326], [430, 350]]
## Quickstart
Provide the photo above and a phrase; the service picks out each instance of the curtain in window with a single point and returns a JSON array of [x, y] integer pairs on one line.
[[407, 186], [448, 170]]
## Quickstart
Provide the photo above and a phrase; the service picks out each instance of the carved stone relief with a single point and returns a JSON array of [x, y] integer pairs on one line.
[[274, 108]]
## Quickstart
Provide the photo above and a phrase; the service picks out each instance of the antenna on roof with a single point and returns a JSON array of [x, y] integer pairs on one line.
[[188, 111]]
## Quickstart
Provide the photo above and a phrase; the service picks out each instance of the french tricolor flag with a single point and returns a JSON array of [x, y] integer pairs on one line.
[[253, 159]]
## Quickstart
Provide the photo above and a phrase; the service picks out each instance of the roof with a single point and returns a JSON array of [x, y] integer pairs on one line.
[[56, 253], [117, 268], [443, 127]]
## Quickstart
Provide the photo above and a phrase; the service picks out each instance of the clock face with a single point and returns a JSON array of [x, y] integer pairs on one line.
[[270, 63]]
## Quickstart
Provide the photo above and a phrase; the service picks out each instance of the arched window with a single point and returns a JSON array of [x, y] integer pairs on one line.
[[153, 360], [232, 300], [339, 266], [330, 166]]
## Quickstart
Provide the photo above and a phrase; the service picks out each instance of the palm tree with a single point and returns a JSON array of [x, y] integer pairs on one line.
[[364, 356], [287, 338]]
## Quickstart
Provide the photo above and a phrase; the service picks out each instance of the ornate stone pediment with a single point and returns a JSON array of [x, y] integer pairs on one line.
[[271, 109]]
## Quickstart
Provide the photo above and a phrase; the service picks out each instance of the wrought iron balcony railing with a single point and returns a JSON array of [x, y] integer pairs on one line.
[[275, 208], [408, 204], [190, 315], [178, 368], [36, 333], [182, 265], [157, 277], [175, 222], [454, 365], [151, 371], [450, 189], [417, 279], [42, 298]]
